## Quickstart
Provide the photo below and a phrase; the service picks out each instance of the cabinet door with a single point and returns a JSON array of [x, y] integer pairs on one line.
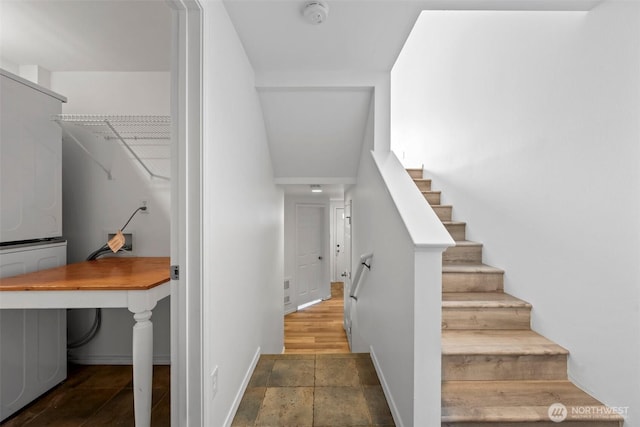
[[30, 163]]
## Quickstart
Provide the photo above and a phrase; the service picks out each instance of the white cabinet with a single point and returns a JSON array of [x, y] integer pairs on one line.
[[33, 353], [30, 161]]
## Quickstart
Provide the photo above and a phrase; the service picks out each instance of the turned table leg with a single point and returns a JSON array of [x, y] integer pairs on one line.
[[142, 367]]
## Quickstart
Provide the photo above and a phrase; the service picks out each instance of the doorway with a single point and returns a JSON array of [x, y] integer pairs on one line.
[[339, 260], [310, 231], [347, 273]]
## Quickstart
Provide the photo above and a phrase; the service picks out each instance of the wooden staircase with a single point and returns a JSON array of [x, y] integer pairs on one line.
[[496, 371]]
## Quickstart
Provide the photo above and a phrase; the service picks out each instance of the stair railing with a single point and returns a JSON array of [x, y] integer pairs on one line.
[[356, 279]]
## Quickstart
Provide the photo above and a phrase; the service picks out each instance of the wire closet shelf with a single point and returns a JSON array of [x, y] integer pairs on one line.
[[146, 138]]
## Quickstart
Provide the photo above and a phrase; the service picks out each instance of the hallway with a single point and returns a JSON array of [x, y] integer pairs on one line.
[[317, 329], [308, 390], [317, 382]]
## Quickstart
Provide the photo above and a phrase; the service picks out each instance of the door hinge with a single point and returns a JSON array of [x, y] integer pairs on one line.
[[174, 272]]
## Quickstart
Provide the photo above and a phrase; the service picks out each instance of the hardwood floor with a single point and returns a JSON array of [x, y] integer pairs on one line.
[[318, 329], [100, 395]]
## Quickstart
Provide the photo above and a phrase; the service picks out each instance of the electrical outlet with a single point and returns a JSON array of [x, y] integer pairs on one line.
[[128, 240], [214, 382], [144, 203]]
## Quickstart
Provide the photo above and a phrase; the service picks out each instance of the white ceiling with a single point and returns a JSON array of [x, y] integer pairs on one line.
[[357, 35], [318, 133], [81, 35], [315, 132], [134, 35], [332, 191]]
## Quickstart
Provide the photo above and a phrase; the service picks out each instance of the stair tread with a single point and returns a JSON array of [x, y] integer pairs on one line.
[[454, 222], [468, 243], [518, 401], [470, 268], [481, 300], [497, 342]]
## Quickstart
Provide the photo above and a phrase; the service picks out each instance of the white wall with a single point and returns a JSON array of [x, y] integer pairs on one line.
[[529, 123], [104, 92], [94, 205], [243, 229], [290, 203], [9, 66]]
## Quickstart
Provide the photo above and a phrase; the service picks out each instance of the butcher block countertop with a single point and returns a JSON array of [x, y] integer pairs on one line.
[[126, 273]]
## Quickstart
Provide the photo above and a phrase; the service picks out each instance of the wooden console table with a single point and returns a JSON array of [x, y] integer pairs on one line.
[[135, 283]]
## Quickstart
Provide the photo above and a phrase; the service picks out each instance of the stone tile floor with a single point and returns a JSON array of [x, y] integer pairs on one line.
[[328, 390]]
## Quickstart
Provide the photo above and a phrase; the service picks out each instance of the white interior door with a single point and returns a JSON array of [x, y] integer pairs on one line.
[[339, 264], [309, 252]]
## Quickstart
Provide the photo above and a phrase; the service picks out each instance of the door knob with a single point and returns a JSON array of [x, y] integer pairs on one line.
[[320, 257]]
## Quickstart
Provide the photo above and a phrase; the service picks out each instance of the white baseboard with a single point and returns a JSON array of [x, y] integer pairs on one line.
[[385, 387], [243, 388], [160, 359]]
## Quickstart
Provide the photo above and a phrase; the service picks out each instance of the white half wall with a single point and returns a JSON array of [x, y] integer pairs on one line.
[[529, 124], [93, 205], [382, 319], [397, 315], [243, 231]]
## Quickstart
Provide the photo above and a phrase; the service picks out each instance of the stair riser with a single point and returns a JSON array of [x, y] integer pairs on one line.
[[463, 254], [466, 319], [585, 423], [472, 282], [504, 367], [415, 173], [443, 212], [432, 197], [457, 231], [424, 184], [486, 318]]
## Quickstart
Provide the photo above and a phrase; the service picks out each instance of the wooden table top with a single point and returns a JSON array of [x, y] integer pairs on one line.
[[127, 273]]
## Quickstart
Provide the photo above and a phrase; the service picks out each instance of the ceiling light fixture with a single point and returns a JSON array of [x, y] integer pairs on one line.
[[315, 188], [316, 12]]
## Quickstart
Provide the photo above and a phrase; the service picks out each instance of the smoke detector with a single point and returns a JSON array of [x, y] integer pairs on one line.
[[316, 12]]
